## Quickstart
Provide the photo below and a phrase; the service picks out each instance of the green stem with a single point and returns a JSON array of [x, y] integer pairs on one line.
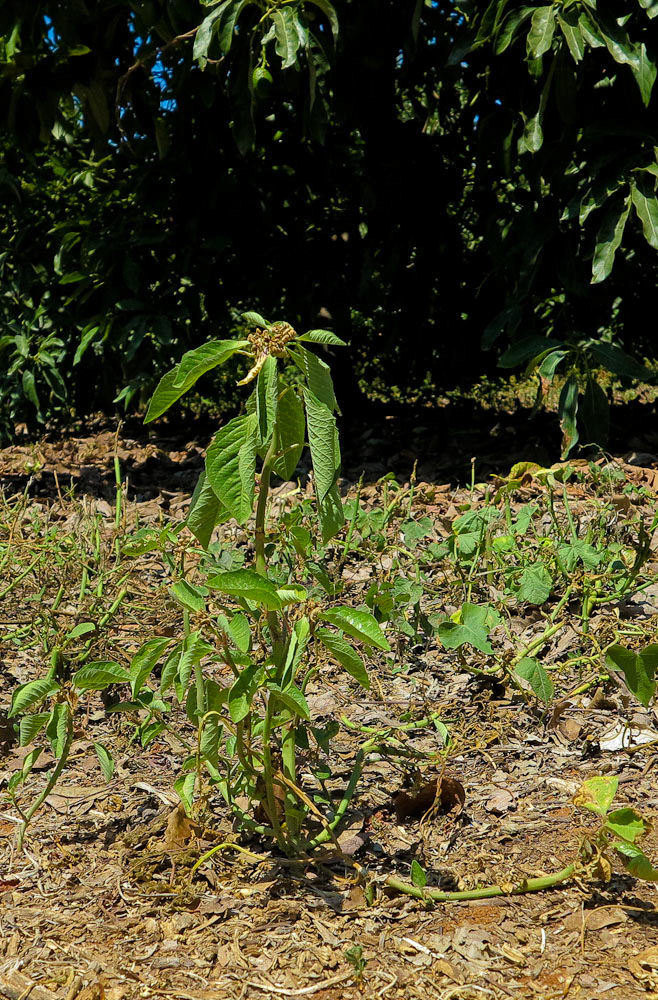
[[52, 781], [488, 892]]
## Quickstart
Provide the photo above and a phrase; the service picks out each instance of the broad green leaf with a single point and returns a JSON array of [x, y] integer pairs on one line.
[[329, 12], [331, 519], [32, 693], [532, 671], [568, 412], [188, 596], [646, 207], [229, 20], [30, 726], [206, 30], [627, 824], [292, 698], [292, 432], [323, 442], [533, 135], [596, 794], [619, 362], [255, 319], [346, 655], [231, 466], [568, 21], [639, 669], [609, 238], [418, 876], [164, 396], [636, 862], [204, 512], [292, 593], [106, 761], [178, 665], [29, 388], [535, 585], [549, 365], [541, 31], [202, 359], [359, 624], [58, 727], [31, 759], [510, 27], [242, 692], [650, 6], [210, 740], [82, 629], [144, 660], [476, 622], [298, 643], [317, 374], [267, 397], [595, 412], [240, 632], [523, 350], [286, 35], [247, 584], [184, 788], [98, 675], [322, 337], [645, 74]]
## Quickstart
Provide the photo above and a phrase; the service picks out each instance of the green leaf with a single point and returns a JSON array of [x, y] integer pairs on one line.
[[286, 35], [646, 207], [58, 727], [650, 6], [346, 655], [249, 585], [532, 671], [292, 431], [178, 665], [639, 669], [619, 362], [636, 862], [317, 374], [240, 632], [99, 675], [205, 32], [644, 73], [144, 660], [568, 21], [84, 628], [190, 597], [29, 388], [202, 359], [331, 519], [231, 466], [255, 319], [292, 698], [627, 824], [32, 693], [568, 412], [510, 27], [30, 726], [242, 692], [292, 593], [323, 442], [267, 397], [476, 621], [418, 876], [31, 759], [164, 396], [358, 624], [322, 337], [541, 31], [595, 412], [609, 238], [204, 512], [229, 19], [535, 585], [596, 794], [523, 350], [106, 761], [549, 365], [184, 788]]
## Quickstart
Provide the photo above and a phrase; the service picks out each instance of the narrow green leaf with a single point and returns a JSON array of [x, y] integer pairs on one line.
[[609, 238], [646, 207], [510, 28], [205, 32], [98, 675], [323, 442], [532, 671], [359, 624], [57, 729], [190, 597], [418, 876], [345, 654], [30, 726], [267, 398], [202, 359], [106, 761], [568, 413], [248, 584], [228, 23], [645, 74], [568, 21], [619, 362], [322, 337], [329, 12], [184, 788], [144, 661], [164, 396], [595, 413], [292, 698], [292, 593], [317, 374], [32, 693]]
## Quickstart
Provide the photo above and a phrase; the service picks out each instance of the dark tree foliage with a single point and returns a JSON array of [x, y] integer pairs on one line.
[[439, 181]]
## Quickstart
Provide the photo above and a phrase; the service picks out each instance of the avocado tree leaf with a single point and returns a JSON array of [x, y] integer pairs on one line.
[[541, 31], [330, 14], [286, 35], [646, 207], [568, 413], [567, 19], [609, 238]]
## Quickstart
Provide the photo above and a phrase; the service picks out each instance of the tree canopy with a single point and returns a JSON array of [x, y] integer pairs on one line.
[[452, 185]]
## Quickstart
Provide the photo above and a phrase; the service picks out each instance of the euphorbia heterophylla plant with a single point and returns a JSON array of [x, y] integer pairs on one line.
[[266, 634]]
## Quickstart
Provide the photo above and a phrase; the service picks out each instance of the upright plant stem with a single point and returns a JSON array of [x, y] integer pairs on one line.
[[50, 784]]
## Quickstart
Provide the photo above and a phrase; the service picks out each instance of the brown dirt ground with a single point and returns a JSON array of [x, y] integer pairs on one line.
[[102, 904]]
